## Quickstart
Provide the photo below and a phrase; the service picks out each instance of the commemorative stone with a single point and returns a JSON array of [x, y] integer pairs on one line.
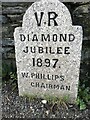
[[48, 51]]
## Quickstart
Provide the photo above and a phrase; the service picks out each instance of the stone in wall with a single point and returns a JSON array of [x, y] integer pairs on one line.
[[13, 10], [3, 19], [81, 15]]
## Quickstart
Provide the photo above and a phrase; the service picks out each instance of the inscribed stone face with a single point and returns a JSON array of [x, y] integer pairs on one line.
[[48, 51]]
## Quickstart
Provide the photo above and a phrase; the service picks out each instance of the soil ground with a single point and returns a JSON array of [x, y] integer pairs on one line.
[[14, 106]]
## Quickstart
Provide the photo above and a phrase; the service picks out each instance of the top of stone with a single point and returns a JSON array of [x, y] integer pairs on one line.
[[64, 17]]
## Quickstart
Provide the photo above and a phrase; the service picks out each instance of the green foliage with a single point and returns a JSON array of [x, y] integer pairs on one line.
[[12, 81], [30, 97], [83, 96], [54, 99], [13, 76], [50, 99], [81, 103]]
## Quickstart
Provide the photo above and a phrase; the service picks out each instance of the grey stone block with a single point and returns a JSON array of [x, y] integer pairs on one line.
[[44, 67]]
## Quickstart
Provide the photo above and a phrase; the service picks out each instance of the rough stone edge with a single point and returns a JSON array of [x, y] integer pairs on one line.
[[0, 63], [39, 0]]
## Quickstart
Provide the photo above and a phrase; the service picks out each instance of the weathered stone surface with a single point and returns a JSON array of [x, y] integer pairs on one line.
[[5, 50], [83, 9], [0, 19], [8, 4], [81, 16], [13, 10], [7, 42], [15, 18], [7, 30], [8, 53], [3, 19], [14, 4], [86, 38], [48, 69], [86, 54]]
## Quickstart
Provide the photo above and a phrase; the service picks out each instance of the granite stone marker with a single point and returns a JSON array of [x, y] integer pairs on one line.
[[48, 51]]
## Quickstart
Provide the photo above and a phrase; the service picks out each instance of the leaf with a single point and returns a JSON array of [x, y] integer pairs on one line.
[[82, 105], [78, 101]]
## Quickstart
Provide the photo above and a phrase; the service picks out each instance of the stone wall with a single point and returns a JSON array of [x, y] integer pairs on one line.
[[12, 15]]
